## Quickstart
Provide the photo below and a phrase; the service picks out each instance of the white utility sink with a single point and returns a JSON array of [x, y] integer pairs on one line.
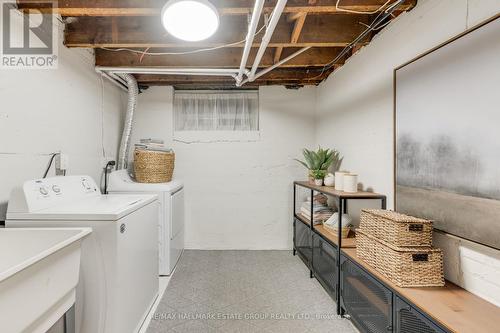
[[39, 270]]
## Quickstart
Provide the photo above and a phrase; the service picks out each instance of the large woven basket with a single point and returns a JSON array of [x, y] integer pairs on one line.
[[153, 166], [395, 228], [406, 267]]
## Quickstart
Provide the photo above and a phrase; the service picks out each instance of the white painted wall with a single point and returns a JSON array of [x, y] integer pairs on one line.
[[354, 113], [238, 194], [69, 109]]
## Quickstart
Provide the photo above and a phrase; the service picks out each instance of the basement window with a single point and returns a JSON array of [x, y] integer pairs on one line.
[[204, 116]]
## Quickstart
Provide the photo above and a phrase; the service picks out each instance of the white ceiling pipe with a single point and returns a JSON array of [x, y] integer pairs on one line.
[[113, 73], [252, 28], [179, 73], [114, 81], [267, 36], [116, 77], [279, 63], [175, 70]]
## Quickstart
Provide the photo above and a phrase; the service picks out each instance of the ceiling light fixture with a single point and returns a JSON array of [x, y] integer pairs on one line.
[[190, 20]]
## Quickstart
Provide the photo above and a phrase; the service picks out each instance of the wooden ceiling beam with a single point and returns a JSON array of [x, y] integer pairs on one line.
[[229, 86], [140, 32], [225, 7], [279, 76], [294, 16], [222, 58], [297, 29], [133, 44], [277, 54]]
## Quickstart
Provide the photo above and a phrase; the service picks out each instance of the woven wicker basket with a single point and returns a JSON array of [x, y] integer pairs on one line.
[[153, 166], [395, 228], [406, 267]]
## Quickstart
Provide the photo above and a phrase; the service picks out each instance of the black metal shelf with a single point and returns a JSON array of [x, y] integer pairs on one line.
[[398, 320], [342, 199], [325, 264], [373, 302]]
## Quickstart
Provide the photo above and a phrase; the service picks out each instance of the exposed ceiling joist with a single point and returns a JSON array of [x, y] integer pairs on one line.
[[297, 29], [227, 58], [109, 25], [140, 32], [284, 76], [226, 7], [277, 54]]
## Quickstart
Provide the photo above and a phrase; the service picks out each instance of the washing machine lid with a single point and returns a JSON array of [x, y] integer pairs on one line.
[[99, 208], [120, 181]]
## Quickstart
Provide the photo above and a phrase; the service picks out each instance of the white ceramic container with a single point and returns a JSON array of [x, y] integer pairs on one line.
[[339, 180], [350, 183]]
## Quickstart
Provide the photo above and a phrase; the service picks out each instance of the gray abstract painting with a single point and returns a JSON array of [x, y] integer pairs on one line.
[[448, 136]]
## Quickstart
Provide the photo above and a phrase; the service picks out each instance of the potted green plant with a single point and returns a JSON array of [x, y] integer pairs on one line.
[[320, 160], [318, 176]]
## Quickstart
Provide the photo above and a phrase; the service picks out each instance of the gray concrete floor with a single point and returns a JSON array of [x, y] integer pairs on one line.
[[245, 291]]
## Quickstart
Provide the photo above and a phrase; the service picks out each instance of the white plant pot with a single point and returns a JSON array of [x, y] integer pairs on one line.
[[329, 180], [318, 182]]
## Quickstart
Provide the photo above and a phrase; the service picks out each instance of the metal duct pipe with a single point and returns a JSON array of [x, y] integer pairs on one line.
[[252, 27], [267, 36], [133, 93]]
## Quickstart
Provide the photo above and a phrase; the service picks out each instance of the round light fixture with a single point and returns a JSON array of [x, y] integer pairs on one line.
[[190, 20]]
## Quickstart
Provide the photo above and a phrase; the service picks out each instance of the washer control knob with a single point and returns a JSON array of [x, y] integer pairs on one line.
[[43, 190], [86, 184], [56, 189]]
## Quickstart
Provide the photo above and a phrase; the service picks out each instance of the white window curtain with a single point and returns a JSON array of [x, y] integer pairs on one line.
[[216, 111]]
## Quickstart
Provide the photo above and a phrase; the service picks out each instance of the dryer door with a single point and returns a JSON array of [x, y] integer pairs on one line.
[[176, 227], [177, 205]]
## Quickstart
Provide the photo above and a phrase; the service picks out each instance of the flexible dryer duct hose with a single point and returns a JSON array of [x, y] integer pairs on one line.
[[133, 93]]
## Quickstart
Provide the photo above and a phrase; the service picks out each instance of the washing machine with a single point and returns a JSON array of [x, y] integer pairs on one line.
[[119, 262], [171, 224]]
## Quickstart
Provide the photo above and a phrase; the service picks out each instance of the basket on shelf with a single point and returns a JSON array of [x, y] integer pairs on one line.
[[405, 266], [395, 228], [153, 166]]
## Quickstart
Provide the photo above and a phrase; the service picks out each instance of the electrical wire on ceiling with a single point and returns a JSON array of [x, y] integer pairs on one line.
[[375, 25], [181, 53], [339, 9], [380, 26]]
